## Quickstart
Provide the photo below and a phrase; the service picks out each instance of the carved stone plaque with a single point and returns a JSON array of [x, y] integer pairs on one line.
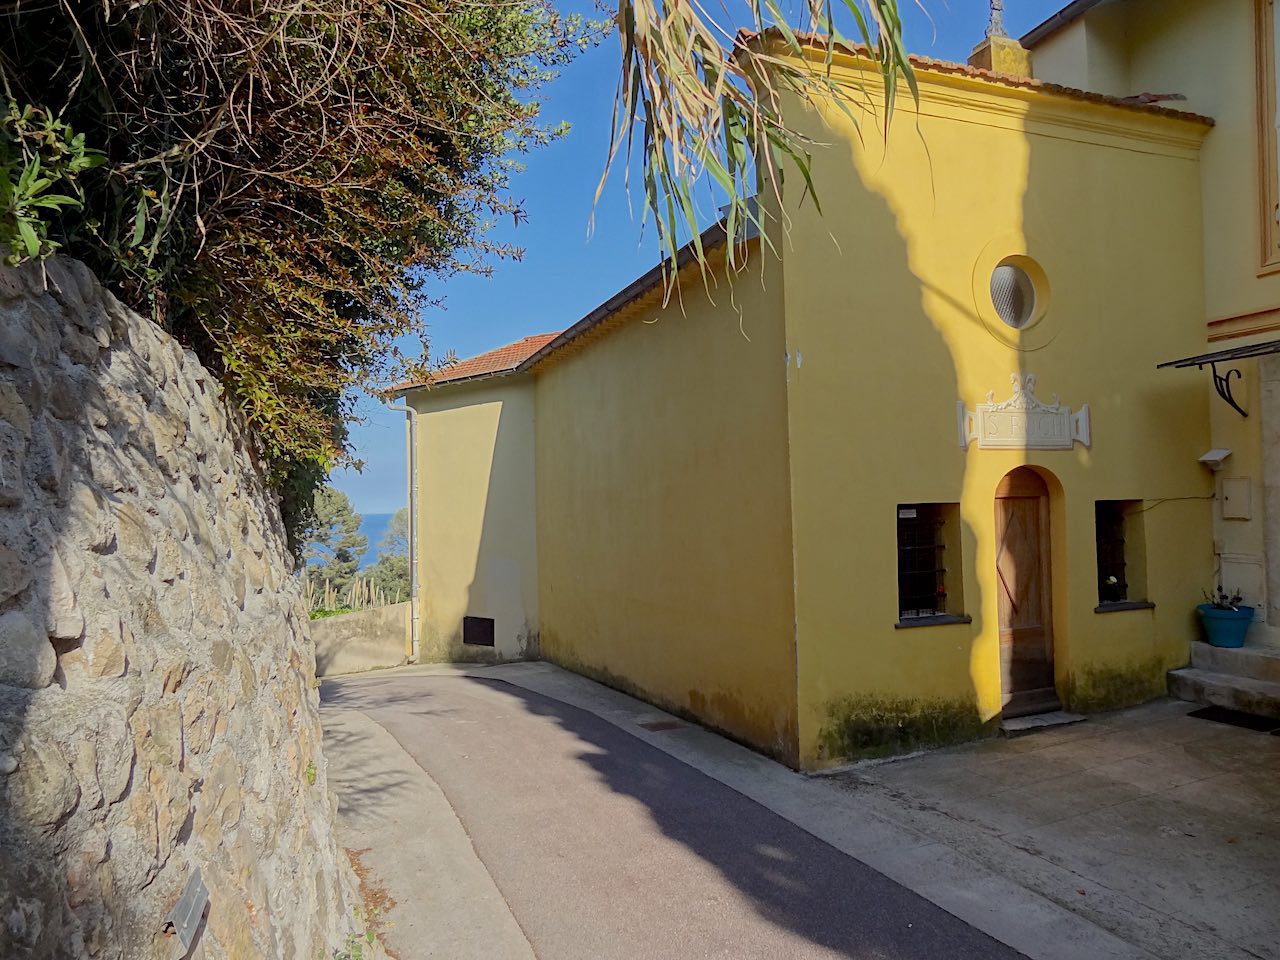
[[1023, 422]]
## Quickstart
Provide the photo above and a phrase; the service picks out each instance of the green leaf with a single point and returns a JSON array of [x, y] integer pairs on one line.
[[139, 224], [90, 159], [29, 173], [53, 201], [28, 235]]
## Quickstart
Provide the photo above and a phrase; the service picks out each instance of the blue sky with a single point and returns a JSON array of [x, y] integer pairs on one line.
[[565, 272]]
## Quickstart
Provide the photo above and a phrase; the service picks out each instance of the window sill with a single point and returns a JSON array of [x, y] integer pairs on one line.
[[1124, 605], [940, 620]]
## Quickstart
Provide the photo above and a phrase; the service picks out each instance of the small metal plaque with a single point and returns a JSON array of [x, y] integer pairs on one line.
[[184, 919]]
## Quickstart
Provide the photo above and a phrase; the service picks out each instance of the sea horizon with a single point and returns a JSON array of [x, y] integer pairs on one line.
[[374, 527]]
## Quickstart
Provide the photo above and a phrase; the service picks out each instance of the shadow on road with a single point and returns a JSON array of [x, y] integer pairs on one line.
[[365, 792], [791, 879]]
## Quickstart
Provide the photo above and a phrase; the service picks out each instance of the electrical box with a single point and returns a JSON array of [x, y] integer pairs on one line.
[[1237, 498]]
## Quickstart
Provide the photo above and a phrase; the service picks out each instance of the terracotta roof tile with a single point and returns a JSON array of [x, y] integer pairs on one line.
[[502, 360], [1030, 83], [930, 65]]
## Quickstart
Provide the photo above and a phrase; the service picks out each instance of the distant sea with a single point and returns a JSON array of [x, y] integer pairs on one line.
[[374, 526]]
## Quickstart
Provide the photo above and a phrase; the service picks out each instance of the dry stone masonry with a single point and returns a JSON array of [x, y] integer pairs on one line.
[[157, 706]]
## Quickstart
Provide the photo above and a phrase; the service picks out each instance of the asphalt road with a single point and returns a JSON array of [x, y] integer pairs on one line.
[[605, 848]]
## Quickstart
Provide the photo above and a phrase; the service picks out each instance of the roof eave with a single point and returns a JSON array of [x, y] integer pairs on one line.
[[927, 66], [710, 238], [1067, 15], [455, 381]]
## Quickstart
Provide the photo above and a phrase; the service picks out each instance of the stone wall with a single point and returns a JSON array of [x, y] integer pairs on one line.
[[363, 640], [158, 711]]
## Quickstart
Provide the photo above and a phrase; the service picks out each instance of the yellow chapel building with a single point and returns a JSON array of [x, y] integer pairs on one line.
[[969, 444]]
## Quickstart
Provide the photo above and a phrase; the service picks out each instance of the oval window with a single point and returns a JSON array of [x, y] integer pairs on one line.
[[1013, 293]]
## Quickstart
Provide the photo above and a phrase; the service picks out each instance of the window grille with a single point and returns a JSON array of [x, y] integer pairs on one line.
[[1109, 526], [922, 590]]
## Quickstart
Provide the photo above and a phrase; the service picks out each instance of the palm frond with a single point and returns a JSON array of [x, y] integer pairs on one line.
[[706, 104]]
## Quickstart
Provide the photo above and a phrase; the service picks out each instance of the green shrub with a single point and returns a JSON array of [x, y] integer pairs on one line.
[[274, 183]]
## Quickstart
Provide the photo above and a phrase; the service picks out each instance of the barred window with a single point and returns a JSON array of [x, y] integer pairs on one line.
[[1122, 555], [922, 572], [1113, 586]]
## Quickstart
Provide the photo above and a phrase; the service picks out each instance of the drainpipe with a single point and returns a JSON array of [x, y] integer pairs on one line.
[[414, 604]]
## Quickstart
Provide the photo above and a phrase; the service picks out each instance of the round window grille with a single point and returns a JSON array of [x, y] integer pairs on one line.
[[1014, 295]]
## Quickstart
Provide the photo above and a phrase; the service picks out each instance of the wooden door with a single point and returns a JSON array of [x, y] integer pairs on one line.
[[1025, 594]]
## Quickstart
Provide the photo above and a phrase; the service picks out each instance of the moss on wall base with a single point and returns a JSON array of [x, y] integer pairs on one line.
[[861, 727], [451, 649], [781, 745], [529, 643], [461, 654], [1095, 689]]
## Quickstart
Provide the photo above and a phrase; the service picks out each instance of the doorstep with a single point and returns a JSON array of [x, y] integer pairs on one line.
[[1016, 726]]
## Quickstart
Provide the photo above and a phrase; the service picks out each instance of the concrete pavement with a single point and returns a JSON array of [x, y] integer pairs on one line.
[[898, 818], [1160, 826], [395, 817], [602, 845]]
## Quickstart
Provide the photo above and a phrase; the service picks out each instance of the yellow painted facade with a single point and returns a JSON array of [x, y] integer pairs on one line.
[[478, 553], [704, 502], [1205, 51], [664, 535], [1106, 201], [1214, 53]]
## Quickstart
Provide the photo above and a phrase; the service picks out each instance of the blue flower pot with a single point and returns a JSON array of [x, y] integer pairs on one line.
[[1225, 628]]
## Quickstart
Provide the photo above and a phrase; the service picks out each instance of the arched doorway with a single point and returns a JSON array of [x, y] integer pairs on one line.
[[1025, 591]]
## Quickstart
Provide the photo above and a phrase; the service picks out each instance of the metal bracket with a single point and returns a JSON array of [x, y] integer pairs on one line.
[[1222, 384], [183, 921]]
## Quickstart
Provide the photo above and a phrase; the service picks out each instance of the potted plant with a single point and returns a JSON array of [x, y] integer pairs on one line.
[[1226, 620]]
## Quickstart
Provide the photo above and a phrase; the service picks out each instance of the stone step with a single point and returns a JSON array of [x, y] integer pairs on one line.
[[1016, 726], [1256, 663], [1246, 694]]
